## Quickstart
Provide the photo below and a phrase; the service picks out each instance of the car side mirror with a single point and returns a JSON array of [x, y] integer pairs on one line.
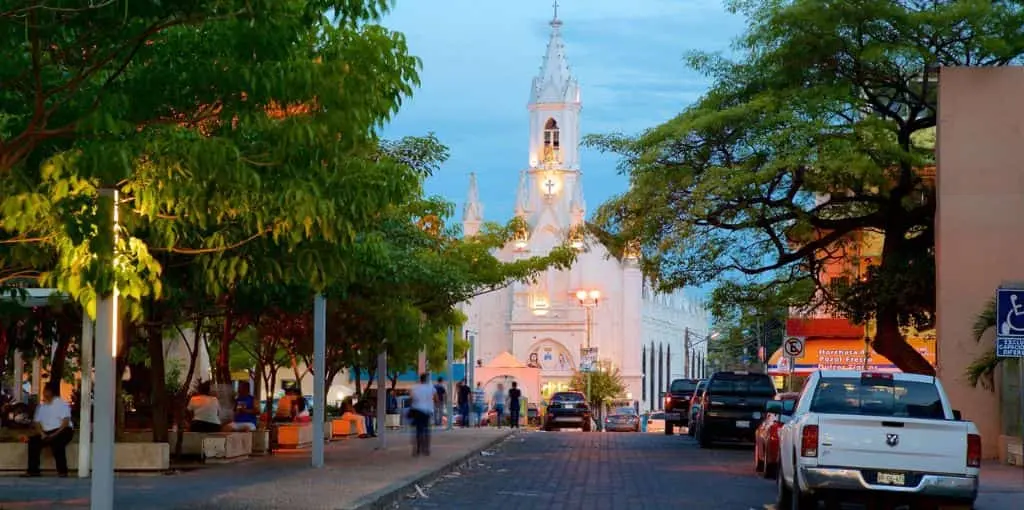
[[957, 416], [773, 407]]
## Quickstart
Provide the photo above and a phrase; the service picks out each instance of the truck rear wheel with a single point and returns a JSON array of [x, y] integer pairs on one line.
[[668, 428]]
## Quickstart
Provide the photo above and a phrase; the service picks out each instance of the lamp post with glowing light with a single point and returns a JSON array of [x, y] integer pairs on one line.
[[588, 300]]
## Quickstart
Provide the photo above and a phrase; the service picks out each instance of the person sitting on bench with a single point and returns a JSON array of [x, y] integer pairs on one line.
[[356, 423], [204, 409], [245, 410], [53, 429]]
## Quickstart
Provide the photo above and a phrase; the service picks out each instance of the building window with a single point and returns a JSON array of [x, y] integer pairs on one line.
[[551, 142]]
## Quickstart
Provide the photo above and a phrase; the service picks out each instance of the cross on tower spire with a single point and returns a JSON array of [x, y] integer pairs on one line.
[[555, 22]]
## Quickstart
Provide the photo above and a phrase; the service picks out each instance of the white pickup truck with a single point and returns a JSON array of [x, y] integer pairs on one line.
[[875, 437]]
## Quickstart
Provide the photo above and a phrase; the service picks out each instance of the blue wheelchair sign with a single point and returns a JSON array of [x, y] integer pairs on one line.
[[1010, 323]]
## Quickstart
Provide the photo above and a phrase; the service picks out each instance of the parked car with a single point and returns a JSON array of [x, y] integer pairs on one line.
[[568, 410], [766, 439], [695, 406], [677, 403], [733, 406], [623, 419], [656, 422], [892, 439]]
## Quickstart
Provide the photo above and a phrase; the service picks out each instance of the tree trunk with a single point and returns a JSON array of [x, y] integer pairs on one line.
[[158, 397], [60, 353], [222, 368], [359, 380], [889, 342]]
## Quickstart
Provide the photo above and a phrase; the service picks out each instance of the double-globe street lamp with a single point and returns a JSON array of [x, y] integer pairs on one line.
[[588, 299]]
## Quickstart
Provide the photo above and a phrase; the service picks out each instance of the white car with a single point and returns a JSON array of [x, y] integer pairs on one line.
[[879, 437]]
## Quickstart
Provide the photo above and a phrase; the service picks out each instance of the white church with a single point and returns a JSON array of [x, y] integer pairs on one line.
[[649, 337]]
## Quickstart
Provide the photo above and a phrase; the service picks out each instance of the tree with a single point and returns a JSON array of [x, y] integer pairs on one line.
[[816, 135], [982, 370], [605, 385], [270, 135], [751, 315]]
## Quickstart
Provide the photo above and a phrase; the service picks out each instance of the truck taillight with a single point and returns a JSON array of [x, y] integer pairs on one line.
[[973, 450], [809, 441]]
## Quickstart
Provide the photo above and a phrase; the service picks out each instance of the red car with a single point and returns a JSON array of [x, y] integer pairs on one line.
[[766, 440]]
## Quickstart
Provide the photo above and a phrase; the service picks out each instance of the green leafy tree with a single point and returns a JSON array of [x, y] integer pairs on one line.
[[605, 385], [817, 133], [982, 370], [750, 315], [268, 137]]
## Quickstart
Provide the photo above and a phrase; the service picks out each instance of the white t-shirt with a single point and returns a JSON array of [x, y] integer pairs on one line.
[[205, 408], [51, 415], [423, 398]]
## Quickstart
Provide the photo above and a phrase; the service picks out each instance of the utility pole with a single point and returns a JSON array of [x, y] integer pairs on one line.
[[686, 356]]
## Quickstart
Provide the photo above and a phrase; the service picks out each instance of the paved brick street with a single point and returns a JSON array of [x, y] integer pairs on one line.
[[572, 470]]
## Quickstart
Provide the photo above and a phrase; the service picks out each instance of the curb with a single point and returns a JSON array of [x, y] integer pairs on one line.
[[396, 492]]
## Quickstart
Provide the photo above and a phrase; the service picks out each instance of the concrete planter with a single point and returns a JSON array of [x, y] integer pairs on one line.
[[1011, 451], [291, 436], [127, 457]]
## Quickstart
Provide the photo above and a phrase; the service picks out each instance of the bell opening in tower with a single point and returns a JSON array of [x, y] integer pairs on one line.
[[551, 142]]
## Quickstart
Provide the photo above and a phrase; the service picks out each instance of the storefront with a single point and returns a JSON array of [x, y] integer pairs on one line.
[[843, 349]]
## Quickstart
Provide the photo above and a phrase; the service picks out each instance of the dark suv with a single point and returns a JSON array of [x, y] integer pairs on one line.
[[568, 410], [732, 407], [677, 403]]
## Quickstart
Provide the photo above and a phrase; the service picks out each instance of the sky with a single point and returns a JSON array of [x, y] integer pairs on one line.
[[479, 58]]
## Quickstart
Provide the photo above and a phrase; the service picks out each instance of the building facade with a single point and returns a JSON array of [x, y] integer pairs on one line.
[[643, 334]]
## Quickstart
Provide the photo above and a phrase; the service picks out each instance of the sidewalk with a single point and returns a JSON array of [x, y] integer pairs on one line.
[[355, 475]]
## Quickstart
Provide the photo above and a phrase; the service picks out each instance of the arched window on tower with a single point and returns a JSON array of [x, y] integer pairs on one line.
[[551, 142]]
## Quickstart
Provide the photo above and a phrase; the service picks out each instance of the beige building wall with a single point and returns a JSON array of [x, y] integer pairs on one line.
[[980, 221]]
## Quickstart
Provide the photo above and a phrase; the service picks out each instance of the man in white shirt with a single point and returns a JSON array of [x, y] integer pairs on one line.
[[422, 406], [52, 429]]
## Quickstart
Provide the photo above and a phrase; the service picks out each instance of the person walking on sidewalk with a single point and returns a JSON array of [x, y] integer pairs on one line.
[[514, 395], [440, 403], [498, 402], [464, 394], [479, 404], [420, 409]]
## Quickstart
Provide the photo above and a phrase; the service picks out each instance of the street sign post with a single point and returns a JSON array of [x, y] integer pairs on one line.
[[1010, 333], [588, 359], [792, 348]]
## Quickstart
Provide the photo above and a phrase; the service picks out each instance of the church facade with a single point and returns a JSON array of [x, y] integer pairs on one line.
[[648, 337]]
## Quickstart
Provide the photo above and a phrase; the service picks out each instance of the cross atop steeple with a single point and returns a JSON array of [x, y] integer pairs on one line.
[[555, 22]]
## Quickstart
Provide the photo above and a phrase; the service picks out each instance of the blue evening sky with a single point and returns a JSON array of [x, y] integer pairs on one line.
[[479, 58]]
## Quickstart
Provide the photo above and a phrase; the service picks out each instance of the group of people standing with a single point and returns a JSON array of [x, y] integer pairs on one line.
[[476, 400]]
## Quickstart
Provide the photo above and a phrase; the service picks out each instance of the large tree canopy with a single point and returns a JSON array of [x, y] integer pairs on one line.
[[813, 135], [223, 123]]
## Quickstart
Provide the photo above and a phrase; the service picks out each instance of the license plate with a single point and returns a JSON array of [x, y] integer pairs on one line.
[[568, 406], [672, 416], [743, 424], [891, 479], [567, 418]]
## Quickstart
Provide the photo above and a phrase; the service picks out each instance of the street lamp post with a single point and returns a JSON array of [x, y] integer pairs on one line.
[[588, 300]]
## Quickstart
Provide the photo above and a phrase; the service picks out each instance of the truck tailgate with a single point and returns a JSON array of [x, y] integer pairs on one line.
[[900, 444]]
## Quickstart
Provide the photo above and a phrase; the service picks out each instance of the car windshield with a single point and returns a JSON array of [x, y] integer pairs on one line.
[[741, 384], [683, 386], [874, 396], [567, 397]]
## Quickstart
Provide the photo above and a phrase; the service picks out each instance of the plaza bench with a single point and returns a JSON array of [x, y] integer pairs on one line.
[[341, 428], [217, 447], [127, 457]]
